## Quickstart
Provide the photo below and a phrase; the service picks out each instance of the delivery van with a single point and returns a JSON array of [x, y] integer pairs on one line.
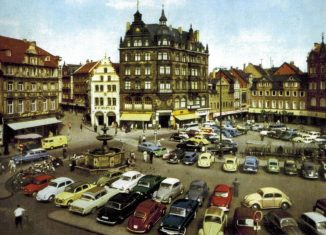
[[54, 142]]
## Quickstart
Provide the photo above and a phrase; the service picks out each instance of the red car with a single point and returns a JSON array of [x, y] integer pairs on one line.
[[38, 182], [221, 197], [145, 216], [244, 222]]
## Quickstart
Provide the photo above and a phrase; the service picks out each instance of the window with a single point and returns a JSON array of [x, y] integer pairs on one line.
[[33, 106], [20, 106], [254, 93], [10, 86], [267, 93], [183, 103], [127, 85], [302, 105], [322, 85], [162, 56], [280, 93], [137, 70], [101, 101], [101, 88], [20, 86], [147, 70], [301, 93], [128, 43], [96, 101], [295, 94], [109, 88], [176, 103], [126, 57], [137, 85], [194, 72], [294, 105], [287, 93], [45, 86], [96, 88], [114, 88], [147, 56], [137, 57], [194, 85], [147, 85], [109, 101], [165, 86], [273, 104], [114, 101], [45, 105], [273, 93], [127, 71], [266, 104], [33, 88], [165, 42], [10, 107], [52, 86], [280, 104], [137, 43], [101, 78], [52, 104], [105, 70], [260, 104], [287, 104], [146, 43], [313, 102], [165, 70], [254, 104], [260, 93], [177, 71], [203, 101]]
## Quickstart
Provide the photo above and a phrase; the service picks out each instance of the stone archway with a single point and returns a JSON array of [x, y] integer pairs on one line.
[[99, 118], [111, 118]]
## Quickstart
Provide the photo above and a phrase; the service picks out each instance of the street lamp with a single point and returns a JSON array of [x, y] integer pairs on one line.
[[155, 134], [220, 147]]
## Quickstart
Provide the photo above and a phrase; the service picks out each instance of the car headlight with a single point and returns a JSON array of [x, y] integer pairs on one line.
[[199, 199], [186, 197]]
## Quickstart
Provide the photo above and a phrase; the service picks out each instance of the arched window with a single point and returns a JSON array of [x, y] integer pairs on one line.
[[138, 103], [313, 102], [322, 102], [177, 103], [183, 103]]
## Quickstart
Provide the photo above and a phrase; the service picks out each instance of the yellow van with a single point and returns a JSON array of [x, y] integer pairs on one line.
[[54, 141]]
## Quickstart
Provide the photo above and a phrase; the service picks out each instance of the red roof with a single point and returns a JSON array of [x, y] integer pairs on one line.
[[14, 50], [86, 68]]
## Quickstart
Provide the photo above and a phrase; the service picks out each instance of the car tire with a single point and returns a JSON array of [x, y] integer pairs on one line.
[[51, 198], [255, 207], [285, 205]]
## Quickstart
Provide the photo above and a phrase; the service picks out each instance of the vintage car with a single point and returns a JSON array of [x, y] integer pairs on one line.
[[71, 193], [323, 170], [231, 164], [148, 184], [145, 216], [215, 221], [180, 136], [189, 158], [175, 156], [181, 213], [267, 198], [290, 167], [31, 155], [198, 190], [281, 222], [55, 187], [148, 147], [169, 189], [205, 160], [199, 139], [119, 207], [109, 177], [320, 206], [92, 199], [243, 222], [226, 146], [189, 145], [38, 183], [273, 165], [313, 223], [250, 164], [221, 197], [127, 181], [160, 152], [309, 170]]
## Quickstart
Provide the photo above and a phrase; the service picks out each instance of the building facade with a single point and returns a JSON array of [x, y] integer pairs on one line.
[[163, 74], [29, 89]]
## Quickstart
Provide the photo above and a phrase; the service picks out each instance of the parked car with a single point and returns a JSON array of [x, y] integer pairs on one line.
[[148, 184], [198, 190], [145, 216], [221, 197], [148, 147], [309, 170], [175, 156], [243, 222], [109, 177], [54, 142], [205, 160], [231, 164], [92, 199], [313, 223], [181, 213], [180, 136], [227, 146], [189, 158], [38, 183], [273, 165], [160, 152], [31, 155], [320, 206], [267, 198], [168, 190], [323, 170], [119, 207], [71, 193], [250, 164], [281, 222], [215, 222], [277, 126], [290, 167], [127, 181], [189, 145], [199, 139], [55, 187], [257, 127]]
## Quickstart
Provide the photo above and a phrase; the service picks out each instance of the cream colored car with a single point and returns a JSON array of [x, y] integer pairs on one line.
[[266, 198], [205, 160], [231, 164]]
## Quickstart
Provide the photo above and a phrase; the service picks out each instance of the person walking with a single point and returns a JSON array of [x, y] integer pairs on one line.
[[12, 166], [72, 165], [81, 126], [151, 156], [145, 156], [236, 184], [18, 212]]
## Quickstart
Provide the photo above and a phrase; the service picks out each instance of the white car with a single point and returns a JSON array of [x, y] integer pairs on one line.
[[169, 189], [205, 160], [92, 199], [55, 187], [127, 181]]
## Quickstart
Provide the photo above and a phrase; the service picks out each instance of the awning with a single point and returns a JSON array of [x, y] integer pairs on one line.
[[28, 136], [33, 123], [189, 116], [141, 117]]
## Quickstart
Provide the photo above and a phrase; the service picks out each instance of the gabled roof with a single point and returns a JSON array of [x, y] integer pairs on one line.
[[86, 68], [286, 69], [260, 69], [240, 74], [14, 50]]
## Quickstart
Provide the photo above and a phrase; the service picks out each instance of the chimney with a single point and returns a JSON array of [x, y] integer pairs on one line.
[[127, 26], [180, 29], [244, 66], [292, 62], [87, 61]]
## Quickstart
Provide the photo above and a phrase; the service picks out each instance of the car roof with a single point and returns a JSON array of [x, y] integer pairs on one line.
[[122, 197], [77, 184], [315, 216], [131, 173], [270, 190], [309, 163], [205, 154], [243, 212], [272, 160], [95, 190], [250, 158], [230, 158], [183, 203], [171, 180], [61, 179], [146, 205], [38, 149]]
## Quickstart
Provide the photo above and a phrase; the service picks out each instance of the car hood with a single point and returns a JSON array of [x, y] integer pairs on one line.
[[81, 203], [136, 221], [140, 189], [172, 221], [119, 184], [48, 190], [31, 187], [194, 194], [65, 195], [220, 201], [253, 196], [109, 212], [161, 193], [293, 230], [211, 228]]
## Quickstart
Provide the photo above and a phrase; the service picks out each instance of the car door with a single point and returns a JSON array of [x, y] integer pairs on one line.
[[268, 200], [176, 189], [61, 187]]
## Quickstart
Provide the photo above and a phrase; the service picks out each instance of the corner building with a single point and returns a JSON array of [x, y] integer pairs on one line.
[[163, 75]]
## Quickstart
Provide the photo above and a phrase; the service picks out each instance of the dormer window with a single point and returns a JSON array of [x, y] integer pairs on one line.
[[165, 42], [47, 58]]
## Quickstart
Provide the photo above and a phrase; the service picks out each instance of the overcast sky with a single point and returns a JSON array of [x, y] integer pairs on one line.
[[236, 31]]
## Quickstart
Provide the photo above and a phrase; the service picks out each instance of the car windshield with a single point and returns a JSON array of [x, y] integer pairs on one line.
[[309, 167], [196, 187], [210, 218], [69, 189], [288, 222], [250, 163], [53, 184], [165, 185], [289, 164], [139, 214], [204, 158], [273, 163], [126, 178], [321, 225], [221, 194], [245, 222], [144, 184], [178, 211], [261, 193], [229, 161], [114, 205], [86, 197]]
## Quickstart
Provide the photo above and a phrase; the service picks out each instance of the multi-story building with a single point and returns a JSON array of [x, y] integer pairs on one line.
[[243, 79], [316, 93], [163, 74], [28, 89]]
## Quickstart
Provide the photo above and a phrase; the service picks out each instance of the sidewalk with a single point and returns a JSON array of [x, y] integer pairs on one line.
[[4, 193]]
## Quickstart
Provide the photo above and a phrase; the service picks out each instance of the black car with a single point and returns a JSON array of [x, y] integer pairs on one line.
[[198, 190], [178, 137], [280, 222], [175, 156], [181, 213], [189, 146], [226, 148], [189, 158], [119, 207], [309, 170], [148, 184]]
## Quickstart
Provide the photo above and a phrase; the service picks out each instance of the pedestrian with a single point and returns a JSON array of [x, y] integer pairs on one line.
[[72, 165], [159, 143], [64, 153], [19, 216], [133, 156], [12, 166], [144, 138], [81, 126], [145, 156], [2, 168], [151, 156], [139, 140], [236, 184], [116, 130]]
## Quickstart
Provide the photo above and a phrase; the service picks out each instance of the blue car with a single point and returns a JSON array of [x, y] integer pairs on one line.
[[189, 158], [148, 147], [250, 164], [31, 155]]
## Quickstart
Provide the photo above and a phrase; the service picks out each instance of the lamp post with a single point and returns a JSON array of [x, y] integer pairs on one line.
[[155, 134], [220, 152]]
